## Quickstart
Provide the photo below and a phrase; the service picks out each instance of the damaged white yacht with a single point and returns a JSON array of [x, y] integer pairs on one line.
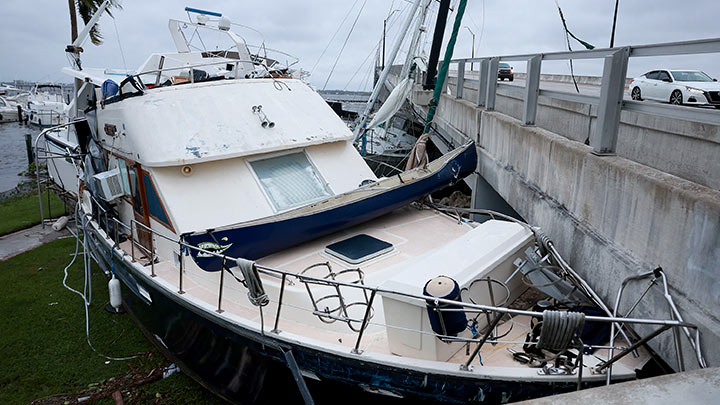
[[258, 250]]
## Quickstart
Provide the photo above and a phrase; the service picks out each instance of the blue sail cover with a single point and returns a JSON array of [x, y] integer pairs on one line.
[[255, 241]]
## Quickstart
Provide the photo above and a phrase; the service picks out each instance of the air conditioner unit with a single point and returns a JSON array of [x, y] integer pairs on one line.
[[109, 184]]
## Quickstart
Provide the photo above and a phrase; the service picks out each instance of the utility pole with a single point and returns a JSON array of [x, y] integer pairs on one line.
[[472, 51], [383, 39]]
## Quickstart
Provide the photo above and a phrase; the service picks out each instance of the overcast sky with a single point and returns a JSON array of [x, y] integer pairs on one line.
[[34, 33]]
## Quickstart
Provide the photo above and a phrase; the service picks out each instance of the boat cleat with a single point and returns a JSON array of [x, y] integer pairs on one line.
[[560, 370]]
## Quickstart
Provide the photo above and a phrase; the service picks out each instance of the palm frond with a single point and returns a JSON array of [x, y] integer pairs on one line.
[[87, 8]]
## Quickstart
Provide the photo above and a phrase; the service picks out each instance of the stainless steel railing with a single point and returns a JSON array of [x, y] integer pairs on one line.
[[112, 233], [691, 331]]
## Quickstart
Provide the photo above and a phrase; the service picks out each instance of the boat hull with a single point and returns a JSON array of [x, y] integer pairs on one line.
[[244, 366]]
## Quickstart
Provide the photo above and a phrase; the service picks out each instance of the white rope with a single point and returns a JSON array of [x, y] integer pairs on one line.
[[117, 35], [86, 295]]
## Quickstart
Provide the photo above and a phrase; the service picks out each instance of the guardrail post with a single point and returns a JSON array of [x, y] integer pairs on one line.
[[152, 255], [280, 299], [446, 83], [604, 140], [132, 240], [491, 84], [219, 309], [180, 282], [460, 80], [483, 81], [532, 89], [366, 319]]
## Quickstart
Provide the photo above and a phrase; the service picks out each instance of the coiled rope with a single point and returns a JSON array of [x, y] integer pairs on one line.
[[559, 328]]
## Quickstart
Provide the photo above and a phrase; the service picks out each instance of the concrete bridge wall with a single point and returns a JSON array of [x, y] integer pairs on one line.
[[611, 216], [686, 149]]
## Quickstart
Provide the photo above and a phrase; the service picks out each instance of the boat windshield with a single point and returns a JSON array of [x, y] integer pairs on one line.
[[690, 76]]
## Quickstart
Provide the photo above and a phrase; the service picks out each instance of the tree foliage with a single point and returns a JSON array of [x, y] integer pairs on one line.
[[86, 9]]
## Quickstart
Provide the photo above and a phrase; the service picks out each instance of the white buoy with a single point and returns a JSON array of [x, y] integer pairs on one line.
[[60, 223], [115, 293]]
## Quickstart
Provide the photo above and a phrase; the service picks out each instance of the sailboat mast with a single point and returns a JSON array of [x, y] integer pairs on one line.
[[386, 71], [437, 44], [413, 49]]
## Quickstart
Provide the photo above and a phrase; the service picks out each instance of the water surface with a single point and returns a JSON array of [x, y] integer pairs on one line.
[[13, 157]]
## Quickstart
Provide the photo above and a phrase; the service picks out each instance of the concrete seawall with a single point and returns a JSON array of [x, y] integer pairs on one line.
[[611, 216]]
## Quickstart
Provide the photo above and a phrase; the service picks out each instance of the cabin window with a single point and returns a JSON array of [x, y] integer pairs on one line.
[[154, 204], [122, 166], [135, 188], [290, 180]]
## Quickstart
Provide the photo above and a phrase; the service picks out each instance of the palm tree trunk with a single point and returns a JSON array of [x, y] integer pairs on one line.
[[74, 35], [73, 20]]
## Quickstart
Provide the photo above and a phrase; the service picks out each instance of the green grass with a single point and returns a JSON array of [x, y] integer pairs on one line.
[[23, 212], [43, 349]]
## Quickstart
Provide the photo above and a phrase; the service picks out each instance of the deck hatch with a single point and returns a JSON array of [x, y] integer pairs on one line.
[[359, 248]]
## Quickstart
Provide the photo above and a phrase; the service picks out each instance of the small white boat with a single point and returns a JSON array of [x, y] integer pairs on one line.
[[8, 110], [205, 159], [45, 106]]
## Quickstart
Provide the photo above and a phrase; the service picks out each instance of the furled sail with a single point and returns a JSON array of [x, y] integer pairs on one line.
[[393, 103]]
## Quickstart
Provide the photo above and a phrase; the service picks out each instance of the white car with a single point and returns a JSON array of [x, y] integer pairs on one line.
[[691, 87]]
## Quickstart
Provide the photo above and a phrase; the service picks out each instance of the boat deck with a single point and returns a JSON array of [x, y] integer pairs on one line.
[[404, 229]]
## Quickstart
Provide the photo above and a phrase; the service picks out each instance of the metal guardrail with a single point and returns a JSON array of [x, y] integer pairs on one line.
[[610, 103]]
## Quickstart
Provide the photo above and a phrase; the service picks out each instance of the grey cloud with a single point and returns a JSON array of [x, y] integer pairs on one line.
[[36, 33]]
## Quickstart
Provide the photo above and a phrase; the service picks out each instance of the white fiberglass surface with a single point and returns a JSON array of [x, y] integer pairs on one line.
[[290, 180]]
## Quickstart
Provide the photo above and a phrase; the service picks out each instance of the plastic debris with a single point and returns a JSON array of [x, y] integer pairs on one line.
[[170, 370]]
